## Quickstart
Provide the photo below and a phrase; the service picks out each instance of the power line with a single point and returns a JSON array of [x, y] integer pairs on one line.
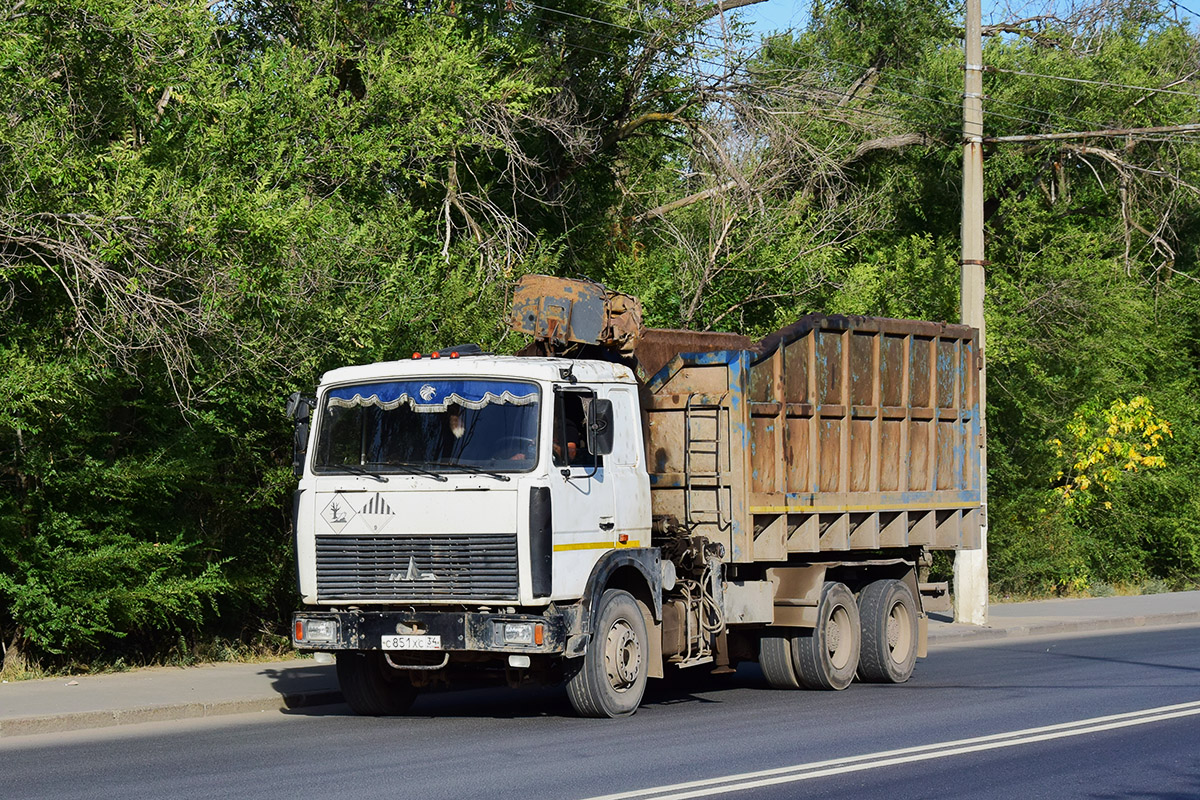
[[1184, 8], [1110, 84], [748, 56], [699, 42], [583, 18], [759, 51], [784, 92], [912, 79], [1044, 137], [956, 104], [766, 90], [745, 57]]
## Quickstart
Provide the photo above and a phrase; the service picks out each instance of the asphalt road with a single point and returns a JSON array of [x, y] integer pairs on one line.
[[1103, 716]]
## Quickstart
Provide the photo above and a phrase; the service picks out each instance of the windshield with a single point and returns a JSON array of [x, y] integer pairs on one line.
[[443, 425]]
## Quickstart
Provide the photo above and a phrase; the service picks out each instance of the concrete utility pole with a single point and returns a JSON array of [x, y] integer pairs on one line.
[[970, 566]]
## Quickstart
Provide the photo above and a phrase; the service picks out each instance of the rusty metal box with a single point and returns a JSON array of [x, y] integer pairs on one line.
[[833, 434]]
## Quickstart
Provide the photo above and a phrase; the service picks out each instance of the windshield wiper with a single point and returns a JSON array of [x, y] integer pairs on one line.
[[357, 470], [413, 469], [475, 470]]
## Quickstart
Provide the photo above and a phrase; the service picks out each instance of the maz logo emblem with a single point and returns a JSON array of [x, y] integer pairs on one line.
[[412, 573]]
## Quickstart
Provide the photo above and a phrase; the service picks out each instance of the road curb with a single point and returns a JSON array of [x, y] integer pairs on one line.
[[958, 634], [84, 720]]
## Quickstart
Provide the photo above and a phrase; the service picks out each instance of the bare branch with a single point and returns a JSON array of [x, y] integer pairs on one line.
[[1122, 165], [887, 143], [683, 202], [725, 7]]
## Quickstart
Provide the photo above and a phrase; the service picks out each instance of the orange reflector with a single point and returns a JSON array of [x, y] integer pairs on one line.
[[299, 630], [538, 634], [623, 538], [416, 356], [454, 354], [435, 354]]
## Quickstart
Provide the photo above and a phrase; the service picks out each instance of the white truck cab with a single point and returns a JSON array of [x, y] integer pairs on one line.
[[461, 504]]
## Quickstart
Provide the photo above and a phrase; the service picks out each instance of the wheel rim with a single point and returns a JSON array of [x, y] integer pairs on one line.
[[899, 633], [839, 638], [622, 656]]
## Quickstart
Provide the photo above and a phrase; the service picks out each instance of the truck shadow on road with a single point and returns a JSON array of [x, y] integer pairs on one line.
[[312, 691]]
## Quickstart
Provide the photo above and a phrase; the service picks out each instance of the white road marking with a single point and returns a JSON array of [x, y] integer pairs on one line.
[[821, 769]]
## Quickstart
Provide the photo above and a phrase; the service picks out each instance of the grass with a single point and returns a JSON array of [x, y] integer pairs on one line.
[[16, 667], [1097, 589], [261, 647]]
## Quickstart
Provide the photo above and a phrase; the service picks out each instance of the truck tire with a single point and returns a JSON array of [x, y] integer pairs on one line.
[[889, 632], [611, 676], [826, 657], [370, 687], [775, 658]]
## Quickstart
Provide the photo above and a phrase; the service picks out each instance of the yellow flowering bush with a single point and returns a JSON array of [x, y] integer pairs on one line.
[[1104, 444]]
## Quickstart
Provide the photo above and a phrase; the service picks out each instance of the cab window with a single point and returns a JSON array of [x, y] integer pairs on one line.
[[570, 429]]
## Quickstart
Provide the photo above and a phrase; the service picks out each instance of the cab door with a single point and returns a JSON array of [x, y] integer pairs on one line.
[[582, 494], [627, 474]]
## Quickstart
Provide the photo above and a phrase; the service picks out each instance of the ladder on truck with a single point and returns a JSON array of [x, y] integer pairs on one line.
[[700, 415]]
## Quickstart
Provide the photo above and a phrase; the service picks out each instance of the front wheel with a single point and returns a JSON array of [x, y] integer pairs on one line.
[[826, 656], [370, 687], [611, 678]]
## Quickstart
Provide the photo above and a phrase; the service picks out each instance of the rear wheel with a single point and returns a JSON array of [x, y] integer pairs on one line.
[[775, 658], [611, 677], [826, 656], [889, 632], [370, 687]]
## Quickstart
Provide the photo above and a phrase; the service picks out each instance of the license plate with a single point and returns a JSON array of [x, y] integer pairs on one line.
[[411, 643]]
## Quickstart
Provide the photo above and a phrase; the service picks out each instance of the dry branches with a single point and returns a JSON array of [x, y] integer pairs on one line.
[[124, 303]]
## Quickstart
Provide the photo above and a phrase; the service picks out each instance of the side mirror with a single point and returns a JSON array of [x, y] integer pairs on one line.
[[299, 409], [600, 427]]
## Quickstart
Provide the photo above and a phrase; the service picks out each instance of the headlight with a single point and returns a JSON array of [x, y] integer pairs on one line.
[[518, 633], [316, 631], [521, 633]]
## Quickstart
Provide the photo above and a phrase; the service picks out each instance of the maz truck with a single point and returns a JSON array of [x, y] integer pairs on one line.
[[619, 503]]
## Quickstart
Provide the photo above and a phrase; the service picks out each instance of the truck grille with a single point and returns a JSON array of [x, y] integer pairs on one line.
[[443, 567]]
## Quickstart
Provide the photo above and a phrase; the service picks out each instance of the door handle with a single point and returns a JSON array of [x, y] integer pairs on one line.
[[607, 523]]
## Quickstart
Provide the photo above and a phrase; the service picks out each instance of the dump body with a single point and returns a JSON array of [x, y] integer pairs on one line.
[[834, 434]]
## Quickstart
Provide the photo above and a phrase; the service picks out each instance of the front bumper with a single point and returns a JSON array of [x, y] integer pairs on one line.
[[459, 631]]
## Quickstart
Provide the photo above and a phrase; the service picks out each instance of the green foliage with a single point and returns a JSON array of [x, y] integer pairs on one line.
[[194, 221], [912, 278], [1103, 445], [203, 207]]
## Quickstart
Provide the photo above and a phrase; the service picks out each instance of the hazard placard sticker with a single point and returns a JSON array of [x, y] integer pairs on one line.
[[377, 513], [338, 513]]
